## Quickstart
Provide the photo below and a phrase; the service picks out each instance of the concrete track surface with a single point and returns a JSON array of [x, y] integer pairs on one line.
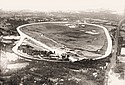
[[23, 36]]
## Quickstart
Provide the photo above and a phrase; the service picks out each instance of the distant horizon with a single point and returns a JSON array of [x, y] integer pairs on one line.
[[87, 10], [117, 6]]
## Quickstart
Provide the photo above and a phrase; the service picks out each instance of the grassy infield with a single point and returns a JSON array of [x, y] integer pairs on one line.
[[73, 38]]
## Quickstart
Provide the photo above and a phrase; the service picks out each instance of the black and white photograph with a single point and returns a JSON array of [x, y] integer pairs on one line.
[[62, 42]]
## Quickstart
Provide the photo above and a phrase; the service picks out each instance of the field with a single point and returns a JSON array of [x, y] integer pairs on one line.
[[88, 41]]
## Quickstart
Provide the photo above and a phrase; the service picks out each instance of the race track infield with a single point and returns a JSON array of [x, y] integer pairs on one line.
[[89, 42]]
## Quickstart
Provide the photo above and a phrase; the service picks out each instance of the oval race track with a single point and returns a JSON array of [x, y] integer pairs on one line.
[[23, 35]]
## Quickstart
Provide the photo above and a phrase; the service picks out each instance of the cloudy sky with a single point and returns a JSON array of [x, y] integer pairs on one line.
[[52, 5]]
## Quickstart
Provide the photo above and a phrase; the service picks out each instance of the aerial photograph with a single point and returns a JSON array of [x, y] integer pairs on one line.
[[62, 42]]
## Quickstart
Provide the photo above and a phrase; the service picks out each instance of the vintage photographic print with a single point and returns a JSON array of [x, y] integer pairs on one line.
[[62, 42]]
